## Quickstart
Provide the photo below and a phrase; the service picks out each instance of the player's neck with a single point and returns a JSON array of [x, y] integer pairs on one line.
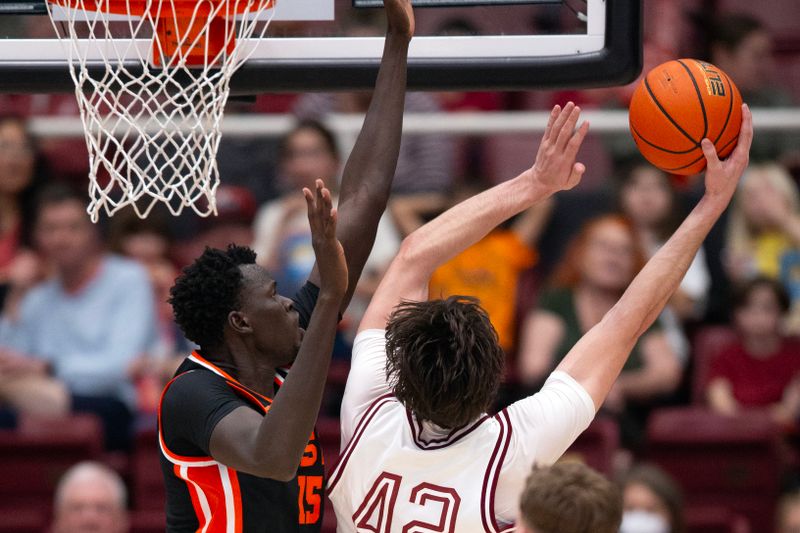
[[258, 378], [253, 370]]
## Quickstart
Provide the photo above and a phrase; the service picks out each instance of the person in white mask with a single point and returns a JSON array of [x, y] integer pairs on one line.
[[652, 502]]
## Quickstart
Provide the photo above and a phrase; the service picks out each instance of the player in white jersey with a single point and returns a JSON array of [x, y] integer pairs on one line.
[[419, 452]]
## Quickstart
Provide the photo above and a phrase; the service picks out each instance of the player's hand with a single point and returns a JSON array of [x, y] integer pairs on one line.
[[555, 167], [400, 16], [722, 177], [327, 248]]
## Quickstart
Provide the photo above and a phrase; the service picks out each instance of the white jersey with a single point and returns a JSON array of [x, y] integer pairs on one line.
[[400, 475]]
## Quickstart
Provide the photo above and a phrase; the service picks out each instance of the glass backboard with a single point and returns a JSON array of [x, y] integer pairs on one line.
[[337, 44]]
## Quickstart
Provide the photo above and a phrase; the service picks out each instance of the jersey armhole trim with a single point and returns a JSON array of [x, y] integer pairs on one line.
[[492, 474], [372, 410], [174, 458]]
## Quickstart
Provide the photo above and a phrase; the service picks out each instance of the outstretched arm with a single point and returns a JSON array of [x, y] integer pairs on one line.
[[597, 359], [468, 222], [272, 445], [369, 170]]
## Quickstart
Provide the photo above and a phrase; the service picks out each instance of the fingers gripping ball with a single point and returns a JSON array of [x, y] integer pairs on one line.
[[679, 103]]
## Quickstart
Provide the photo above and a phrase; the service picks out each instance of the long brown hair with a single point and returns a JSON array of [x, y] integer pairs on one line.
[[443, 359], [568, 271]]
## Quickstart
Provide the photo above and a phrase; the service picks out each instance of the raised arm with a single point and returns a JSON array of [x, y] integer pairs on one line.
[[369, 170], [468, 222], [597, 359], [272, 445]]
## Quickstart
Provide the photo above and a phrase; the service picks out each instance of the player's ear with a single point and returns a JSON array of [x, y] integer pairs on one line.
[[239, 323]]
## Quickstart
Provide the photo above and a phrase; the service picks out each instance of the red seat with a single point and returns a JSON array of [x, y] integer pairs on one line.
[[596, 446], [734, 462], [707, 344], [147, 483], [148, 521], [33, 458], [714, 519]]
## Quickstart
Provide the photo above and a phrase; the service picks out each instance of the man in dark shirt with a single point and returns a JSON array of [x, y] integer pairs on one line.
[[236, 454]]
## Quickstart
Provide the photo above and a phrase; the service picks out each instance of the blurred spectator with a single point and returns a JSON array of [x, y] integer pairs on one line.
[[569, 497], [282, 238], [470, 151], [741, 46], [762, 369], [652, 502], [67, 157], [598, 266], [90, 498], [489, 270], [77, 333], [788, 516], [282, 235], [149, 242], [425, 162], [649, 200], [233, 223], [20, 179], [764, 232], [248, 161]]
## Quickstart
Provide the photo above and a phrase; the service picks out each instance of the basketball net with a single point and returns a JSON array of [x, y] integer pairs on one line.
[[152, 86]]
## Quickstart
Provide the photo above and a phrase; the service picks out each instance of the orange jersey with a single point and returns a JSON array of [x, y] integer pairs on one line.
[[488, 270]]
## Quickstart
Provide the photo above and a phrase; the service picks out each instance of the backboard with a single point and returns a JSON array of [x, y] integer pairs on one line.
[[330, 45]]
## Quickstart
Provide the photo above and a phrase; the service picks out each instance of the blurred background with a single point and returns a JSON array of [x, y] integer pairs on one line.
[[701, 430]]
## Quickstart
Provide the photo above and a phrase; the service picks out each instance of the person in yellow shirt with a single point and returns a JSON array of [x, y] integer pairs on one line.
[[763, 234]]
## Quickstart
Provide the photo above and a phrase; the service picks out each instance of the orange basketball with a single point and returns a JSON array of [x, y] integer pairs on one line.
[[678, 104]]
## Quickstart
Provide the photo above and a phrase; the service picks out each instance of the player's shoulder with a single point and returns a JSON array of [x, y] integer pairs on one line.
[[194, 385]]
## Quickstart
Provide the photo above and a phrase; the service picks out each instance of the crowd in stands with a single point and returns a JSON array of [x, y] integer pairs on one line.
[[86, 326]]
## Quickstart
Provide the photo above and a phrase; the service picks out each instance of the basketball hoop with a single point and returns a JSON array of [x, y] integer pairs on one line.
[[152, 123]]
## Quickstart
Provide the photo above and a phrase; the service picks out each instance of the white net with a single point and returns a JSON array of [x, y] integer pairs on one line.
[[152, 78]]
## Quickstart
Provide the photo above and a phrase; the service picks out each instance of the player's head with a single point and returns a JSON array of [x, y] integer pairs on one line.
[[569, 497], [90, 497], [444, 361], [224, 296]]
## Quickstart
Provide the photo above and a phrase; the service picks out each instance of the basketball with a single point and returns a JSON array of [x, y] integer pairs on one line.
[[677, 105]]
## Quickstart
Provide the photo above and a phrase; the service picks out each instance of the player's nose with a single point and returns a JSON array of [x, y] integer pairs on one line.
[[288, 304]]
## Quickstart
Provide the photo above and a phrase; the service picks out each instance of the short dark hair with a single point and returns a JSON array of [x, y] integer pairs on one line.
[[443, 359], [742, 292], [570, 497], [207, 290]]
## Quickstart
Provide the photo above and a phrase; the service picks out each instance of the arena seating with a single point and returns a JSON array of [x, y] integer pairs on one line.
[[32, 459], [733, 462]]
